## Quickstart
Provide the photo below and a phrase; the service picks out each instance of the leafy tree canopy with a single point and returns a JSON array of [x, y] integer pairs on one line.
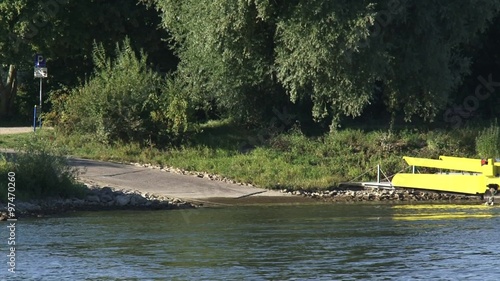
[[64, 32], [330, 52]]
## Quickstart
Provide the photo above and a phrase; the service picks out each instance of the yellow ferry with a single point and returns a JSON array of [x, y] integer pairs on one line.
[[463, 175]]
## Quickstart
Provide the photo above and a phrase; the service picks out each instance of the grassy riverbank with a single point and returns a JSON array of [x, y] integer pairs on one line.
[[38, 170], [287, 160]]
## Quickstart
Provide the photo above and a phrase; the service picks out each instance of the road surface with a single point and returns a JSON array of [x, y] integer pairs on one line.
[[160, 182], [148, 180], [15, 130]]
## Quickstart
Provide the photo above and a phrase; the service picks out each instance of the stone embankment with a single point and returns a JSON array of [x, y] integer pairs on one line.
[[388, 195], [97, 198]]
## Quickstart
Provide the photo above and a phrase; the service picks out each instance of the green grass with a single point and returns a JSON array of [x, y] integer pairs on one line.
[[40, 168], [12, 141], [488, 142], [287, 160]]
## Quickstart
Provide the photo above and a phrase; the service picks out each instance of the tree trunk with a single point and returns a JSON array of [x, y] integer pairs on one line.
[[8, 90]]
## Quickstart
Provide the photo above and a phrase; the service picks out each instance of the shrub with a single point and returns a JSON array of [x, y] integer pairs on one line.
[[488, 142], [41, 171], [113, 104], [170, 109]]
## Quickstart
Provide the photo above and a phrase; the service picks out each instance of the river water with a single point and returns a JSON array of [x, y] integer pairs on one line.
[[273, 242]]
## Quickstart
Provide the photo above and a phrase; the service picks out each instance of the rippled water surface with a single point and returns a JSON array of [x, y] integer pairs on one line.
[[293, 242]]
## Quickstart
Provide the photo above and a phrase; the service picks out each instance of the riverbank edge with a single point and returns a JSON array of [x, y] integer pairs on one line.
[[104, 198], [400, 195], [342, 193], [97, 198], [108, 199]]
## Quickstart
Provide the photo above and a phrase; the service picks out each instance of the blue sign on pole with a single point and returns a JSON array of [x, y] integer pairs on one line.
[[40, 61]]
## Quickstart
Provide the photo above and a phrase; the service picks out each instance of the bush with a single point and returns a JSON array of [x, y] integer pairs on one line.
[[113, 104], [170, 109], [123, 101], [488, 142], [41, 171]]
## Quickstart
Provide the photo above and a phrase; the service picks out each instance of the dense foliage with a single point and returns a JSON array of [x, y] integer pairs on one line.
[[122, 100], [488, 142], [341, 55], [128, 78], [64, 32], [41, 170], [324, 60]]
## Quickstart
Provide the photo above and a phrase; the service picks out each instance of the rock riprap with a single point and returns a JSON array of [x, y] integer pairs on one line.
[[97, 198], [350, 195]]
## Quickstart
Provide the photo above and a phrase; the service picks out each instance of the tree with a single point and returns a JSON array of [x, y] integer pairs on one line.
[[425, 45], [8, 90], [333, 53], [106, 22], [8, 49], [64, 32], [318, 55], [226, 55]]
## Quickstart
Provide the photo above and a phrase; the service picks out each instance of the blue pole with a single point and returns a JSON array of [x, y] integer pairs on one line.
[[40, 117], [34, 119]]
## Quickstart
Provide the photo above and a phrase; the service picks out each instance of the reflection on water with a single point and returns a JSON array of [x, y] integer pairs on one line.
[[443, 212], [295, 242]]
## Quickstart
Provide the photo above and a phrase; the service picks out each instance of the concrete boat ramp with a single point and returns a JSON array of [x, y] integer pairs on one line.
[[187, 187], [155, 181]]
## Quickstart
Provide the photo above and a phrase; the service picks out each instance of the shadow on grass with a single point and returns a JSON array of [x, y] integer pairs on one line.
[[224, 135], [15, 123]]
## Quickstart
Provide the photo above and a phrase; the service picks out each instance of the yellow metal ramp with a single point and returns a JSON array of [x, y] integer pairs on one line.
[[478, 175]]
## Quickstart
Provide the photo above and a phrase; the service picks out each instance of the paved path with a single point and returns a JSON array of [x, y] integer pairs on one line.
[[162, 182], [159, 182], [15, 130]]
